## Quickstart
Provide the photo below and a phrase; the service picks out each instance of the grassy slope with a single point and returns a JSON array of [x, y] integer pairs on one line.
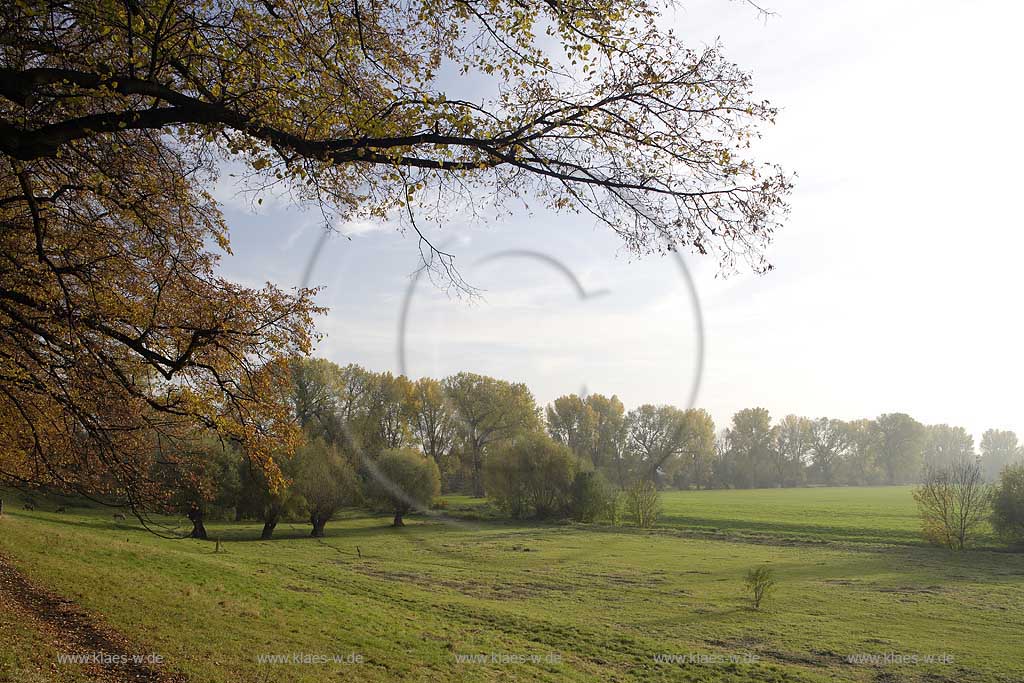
[[25, 654], [605, 600]]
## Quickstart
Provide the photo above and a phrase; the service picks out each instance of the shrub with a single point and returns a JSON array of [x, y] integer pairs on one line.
[[643, 503], [613, 506], [1008, 505], [403, 480], [505, 484], [953, 500], [590, 498], [761, 582], [533, 475]]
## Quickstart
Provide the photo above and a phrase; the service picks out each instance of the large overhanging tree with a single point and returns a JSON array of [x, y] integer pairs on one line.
[[115, 115]]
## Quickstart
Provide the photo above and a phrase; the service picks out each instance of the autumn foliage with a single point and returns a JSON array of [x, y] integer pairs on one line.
[[118, 339]]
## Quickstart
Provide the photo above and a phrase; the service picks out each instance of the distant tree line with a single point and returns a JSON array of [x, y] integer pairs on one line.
[[676, 448], [385, 441]]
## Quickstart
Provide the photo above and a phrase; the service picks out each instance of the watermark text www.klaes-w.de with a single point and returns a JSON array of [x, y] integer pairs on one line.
[[503, 658], [108, 658], [887, 658], [705, 658], [311, 658]]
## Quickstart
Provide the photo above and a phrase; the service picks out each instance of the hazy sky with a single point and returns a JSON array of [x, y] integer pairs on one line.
[[897, 279]]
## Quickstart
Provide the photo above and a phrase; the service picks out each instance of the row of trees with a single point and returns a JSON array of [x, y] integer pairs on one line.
[[384, 440], [367, 432], [674, 447], [356, 450], [317, 482], [369, 438], [455, 422]]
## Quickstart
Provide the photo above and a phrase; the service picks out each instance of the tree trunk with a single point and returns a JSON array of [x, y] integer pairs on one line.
[[198, 530], [398, 519], [318, 526], [271, 516], [478, 475], [195, 515], [656, 477], [238, 514]]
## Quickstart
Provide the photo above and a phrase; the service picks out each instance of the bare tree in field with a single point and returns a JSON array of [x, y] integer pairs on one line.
[[643, 503], [953, 500]]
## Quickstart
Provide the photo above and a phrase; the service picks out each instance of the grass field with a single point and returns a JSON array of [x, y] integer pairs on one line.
[[877, 514], [591, 603]]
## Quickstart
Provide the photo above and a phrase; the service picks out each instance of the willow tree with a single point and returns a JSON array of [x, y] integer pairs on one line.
[[666, 441], [115, 114], [489, 413]]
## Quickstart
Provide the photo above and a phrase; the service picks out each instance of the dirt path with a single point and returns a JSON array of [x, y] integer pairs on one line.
[[71, 631]]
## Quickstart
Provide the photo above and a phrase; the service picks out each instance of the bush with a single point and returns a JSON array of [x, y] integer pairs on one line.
[[953, 500], [403, 480], [613, 506], [591, 497], [1008, 505], [761, 582], [643, 503], [531, 476]]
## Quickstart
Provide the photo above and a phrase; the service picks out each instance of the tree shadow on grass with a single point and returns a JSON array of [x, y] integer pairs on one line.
[[790, 530]]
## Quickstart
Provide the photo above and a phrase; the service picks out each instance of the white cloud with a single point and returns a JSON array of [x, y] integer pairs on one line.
[[352, 228], [897, 281]]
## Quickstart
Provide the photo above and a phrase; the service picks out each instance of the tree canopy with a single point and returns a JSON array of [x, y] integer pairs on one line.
[[115, 117], [405, 480], [359, 106]]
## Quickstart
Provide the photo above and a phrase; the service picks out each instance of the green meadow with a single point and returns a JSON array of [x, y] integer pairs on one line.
[[876, 514], [462, 598]]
